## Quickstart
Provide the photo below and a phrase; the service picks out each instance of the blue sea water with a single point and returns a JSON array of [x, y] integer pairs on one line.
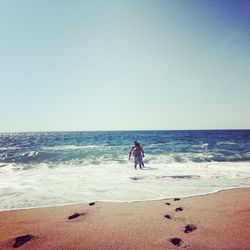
[[52, 168]]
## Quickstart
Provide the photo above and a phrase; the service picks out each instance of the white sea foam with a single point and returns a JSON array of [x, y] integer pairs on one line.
[[181, 157], [8, 148], [225, 143], [52, 184], [30, 154], [72, 147]]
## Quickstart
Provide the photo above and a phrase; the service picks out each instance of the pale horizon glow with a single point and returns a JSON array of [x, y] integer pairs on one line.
[[124, 65]]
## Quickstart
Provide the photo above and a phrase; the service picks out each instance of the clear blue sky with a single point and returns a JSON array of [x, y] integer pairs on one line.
[[124, 65]]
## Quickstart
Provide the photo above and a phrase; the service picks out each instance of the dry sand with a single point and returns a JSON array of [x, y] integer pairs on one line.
[[222, 221]]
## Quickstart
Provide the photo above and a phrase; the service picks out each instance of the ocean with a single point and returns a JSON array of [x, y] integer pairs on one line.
[[55, 168]]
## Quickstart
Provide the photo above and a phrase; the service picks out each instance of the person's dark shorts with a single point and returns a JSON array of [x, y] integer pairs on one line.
[[138, 160]]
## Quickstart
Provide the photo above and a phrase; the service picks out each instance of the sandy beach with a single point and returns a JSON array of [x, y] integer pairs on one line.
[[215, 221]]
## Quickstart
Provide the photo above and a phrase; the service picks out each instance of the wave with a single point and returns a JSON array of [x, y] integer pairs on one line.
[[182, 158], [26, 157], [205, 145], [72, 147], [226, 143], [108, 157], [30, 154], [154, 145], [9, 148]]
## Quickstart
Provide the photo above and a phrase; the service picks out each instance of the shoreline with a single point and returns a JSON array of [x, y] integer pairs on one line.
[[110, 201], [220, 220]]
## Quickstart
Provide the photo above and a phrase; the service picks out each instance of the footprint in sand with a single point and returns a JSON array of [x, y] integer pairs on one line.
[[168, 216], [75, 215], [190, 228], [167, 203], [176, 241], [91, 203], [19, 241], [179, 209]]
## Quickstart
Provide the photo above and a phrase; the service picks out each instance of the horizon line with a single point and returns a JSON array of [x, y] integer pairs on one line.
[[122, 130]]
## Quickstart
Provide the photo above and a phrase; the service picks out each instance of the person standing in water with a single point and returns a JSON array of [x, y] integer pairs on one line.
[[138, 153]]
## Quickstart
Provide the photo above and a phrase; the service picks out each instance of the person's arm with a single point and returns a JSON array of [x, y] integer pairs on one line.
[[142, 151], [131, 150]]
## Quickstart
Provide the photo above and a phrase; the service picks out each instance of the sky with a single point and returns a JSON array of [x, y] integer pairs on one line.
[[124, 65]]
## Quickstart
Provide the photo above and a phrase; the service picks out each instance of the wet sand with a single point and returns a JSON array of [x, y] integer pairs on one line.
[[215, 221]]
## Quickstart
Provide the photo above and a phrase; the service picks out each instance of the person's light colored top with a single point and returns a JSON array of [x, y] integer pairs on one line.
[[136, 151]]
